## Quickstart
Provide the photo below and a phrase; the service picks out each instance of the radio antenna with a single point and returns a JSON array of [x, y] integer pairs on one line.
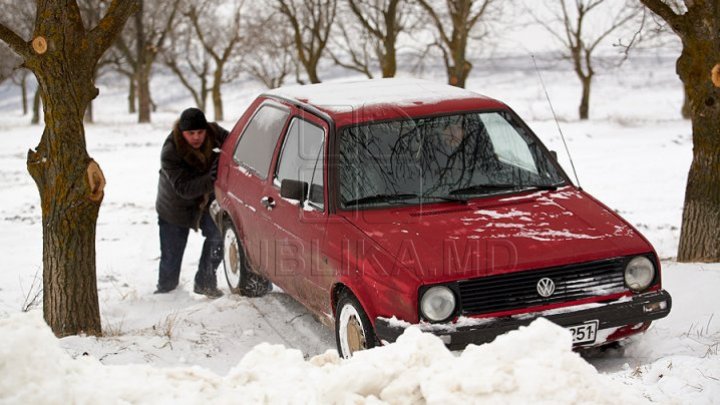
[[562, 136]]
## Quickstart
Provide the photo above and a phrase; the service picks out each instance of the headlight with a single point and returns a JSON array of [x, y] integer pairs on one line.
[[639, 273], [438, 303]]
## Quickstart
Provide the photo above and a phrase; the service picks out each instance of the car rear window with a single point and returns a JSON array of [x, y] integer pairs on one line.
[[257, 143]]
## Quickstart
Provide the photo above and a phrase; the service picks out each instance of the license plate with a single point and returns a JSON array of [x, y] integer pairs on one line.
[[584, 333]]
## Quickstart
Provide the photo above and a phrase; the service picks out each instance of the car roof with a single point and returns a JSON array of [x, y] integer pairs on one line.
[[383, 99]]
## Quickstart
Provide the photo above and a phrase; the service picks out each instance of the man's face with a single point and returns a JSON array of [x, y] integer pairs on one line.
[[195, 137], [453, 135]]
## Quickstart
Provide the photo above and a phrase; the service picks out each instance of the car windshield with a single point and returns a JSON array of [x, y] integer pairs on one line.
[[440, 159]]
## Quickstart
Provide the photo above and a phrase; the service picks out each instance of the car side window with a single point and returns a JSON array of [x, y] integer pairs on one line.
[[257, 144], [302, 158]]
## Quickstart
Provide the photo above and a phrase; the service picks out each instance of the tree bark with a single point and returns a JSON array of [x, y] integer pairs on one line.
[[64, 62], [699, 30], [700, 232]]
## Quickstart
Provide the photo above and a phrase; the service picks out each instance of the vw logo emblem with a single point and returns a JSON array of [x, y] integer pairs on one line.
[[545, 287]]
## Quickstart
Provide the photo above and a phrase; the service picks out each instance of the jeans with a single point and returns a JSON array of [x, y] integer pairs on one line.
[[173, 239]]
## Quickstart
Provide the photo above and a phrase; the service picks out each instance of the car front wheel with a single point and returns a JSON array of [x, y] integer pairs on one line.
[[353, 330], [239, 278]]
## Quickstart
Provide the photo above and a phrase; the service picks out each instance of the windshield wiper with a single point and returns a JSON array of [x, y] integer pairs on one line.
[[477, 188], [446, 198], [380, 198], [550, 187]]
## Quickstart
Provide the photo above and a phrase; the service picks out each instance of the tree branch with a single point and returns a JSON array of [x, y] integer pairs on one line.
[[15, 42], [110, 25], [665, 12]]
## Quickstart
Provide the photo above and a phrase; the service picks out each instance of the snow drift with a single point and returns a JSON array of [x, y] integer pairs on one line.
[[532, 365]]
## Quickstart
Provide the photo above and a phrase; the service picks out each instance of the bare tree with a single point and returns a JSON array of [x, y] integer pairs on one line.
[[92, 12], [697, 23], [20, 15], [370, 30], [62, 54], [221, 41], [580, 28], [119, 64], [269, 58], [351, 46], [140, 44], [190, 62], [311, 21], [455, 25]]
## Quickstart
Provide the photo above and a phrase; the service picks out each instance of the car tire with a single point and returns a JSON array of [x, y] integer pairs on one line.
[[237, 274], [353, 330]]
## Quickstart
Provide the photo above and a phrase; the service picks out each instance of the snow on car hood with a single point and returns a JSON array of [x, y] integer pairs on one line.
[[443, 242]]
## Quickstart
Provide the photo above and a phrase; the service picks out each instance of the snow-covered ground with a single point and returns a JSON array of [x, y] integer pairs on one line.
[[633, 155]]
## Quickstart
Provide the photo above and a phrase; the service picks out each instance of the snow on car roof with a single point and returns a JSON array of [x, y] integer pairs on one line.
[[345, 96]]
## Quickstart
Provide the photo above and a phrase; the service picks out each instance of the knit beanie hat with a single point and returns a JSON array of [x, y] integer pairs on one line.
[[192, 119]]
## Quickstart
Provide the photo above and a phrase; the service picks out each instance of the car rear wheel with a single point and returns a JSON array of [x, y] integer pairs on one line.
[[239, 278], [353, 330]]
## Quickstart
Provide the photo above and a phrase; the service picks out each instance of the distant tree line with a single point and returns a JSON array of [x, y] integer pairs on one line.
[[209, 43]]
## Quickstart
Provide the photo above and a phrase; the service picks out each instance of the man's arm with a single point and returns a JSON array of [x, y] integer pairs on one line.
[[185, 184]]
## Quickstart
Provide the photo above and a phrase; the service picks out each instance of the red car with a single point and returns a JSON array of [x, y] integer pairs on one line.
[[381, 204]]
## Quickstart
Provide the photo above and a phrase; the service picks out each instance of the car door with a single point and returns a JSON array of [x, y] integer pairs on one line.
[[300, 227], [248, 179]]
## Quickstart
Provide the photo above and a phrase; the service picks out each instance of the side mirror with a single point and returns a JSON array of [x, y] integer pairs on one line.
[[554, 155], [293, 189]]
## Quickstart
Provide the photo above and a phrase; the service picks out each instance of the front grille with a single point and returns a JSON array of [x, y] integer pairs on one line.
[[519, 290]]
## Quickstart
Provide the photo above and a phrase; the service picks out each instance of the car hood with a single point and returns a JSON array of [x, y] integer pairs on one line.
[[497, 235]]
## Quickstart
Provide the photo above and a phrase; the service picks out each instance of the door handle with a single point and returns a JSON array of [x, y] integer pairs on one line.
[[268, 203]]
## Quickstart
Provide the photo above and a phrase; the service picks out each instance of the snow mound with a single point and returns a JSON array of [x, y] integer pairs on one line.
[[532, 365]]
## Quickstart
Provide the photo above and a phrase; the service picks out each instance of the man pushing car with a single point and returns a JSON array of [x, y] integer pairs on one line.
[[188, 167]]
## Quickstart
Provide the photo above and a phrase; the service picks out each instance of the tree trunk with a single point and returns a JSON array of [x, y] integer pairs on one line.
[[143, 68], [143, 90], [217, 94], [686, 114], [88, 117], [132, 97], [389, 61], [58, 166], [700, 234], [23, 86], [584, 109], [37, 101], [63, 57], [204, 91], [458, 76], [312, 74]]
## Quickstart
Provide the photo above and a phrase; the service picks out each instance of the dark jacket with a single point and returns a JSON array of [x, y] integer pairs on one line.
[[187, 176]]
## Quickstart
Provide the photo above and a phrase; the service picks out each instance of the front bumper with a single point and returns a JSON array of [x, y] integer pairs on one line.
[[640, 309]]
